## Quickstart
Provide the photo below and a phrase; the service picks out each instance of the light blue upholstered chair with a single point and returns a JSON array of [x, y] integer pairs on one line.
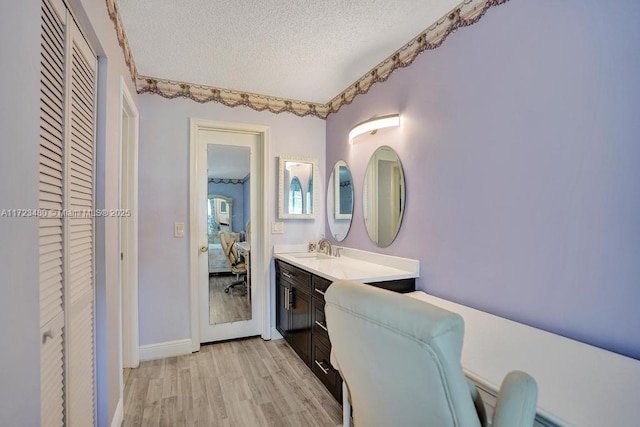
[[400, 362], [235, 263]]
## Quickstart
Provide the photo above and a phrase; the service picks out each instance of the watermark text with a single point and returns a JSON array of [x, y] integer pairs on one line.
[[64, 213]]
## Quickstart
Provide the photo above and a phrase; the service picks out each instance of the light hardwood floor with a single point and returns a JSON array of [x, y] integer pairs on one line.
[[241, 383], [231, 306]]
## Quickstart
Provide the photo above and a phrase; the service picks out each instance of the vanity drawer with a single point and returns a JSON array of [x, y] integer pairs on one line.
[[319, 285], [294, 276], [319, 323], [321, 366]]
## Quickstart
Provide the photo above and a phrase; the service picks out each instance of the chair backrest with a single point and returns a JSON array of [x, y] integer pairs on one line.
[[399, 357], [227, 241]]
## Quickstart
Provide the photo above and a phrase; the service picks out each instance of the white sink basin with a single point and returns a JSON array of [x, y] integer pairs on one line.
[[312, 255]]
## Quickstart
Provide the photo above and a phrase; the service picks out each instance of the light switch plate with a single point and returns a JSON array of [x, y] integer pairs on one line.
[[277, 228], [178, 229]]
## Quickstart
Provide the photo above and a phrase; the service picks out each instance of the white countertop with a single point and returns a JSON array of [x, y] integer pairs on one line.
[[353, 264], [578, 384]]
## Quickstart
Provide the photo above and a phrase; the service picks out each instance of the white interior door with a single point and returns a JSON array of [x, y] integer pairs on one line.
[[212, 302], [52, 166], [128, 217], [80, 232]]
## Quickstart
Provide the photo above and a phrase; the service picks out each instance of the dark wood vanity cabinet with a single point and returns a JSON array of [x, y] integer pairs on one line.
[[300, 318], [293, 312]]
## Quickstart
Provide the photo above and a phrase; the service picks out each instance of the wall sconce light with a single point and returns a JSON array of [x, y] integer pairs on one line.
[[372, 125]]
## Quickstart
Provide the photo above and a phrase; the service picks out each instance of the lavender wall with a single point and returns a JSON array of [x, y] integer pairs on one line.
[[19, 278], [520, 140]]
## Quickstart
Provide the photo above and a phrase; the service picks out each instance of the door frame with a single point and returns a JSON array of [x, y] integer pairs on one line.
[[129, 121], [260, 267]]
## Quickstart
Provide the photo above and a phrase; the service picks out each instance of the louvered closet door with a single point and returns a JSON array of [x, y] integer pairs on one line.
[[67, 129], [51, 200], [81, 88]]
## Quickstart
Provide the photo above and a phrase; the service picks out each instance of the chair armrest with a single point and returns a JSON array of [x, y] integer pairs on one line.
[[478, 403], [517, 400]]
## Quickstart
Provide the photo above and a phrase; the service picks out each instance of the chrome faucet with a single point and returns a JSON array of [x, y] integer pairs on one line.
[[324, 246]]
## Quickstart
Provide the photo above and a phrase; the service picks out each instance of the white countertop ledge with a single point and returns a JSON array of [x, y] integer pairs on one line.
[[578, 384], [353, 264]]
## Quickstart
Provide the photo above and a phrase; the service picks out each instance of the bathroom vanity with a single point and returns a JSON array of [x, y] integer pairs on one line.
[[301, 281]]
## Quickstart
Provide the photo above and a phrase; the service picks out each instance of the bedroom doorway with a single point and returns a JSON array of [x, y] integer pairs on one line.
[[227, 216]]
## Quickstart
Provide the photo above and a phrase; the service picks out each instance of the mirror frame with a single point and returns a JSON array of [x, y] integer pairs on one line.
[[282, 198]]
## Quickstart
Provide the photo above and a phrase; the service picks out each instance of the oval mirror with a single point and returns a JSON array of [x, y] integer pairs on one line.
[[340, 200], [383, 196]]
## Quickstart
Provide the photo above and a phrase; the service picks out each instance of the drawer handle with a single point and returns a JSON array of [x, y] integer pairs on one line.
[[319, 291], [324, 371], [288, 302], [285, 274], [322, 326]]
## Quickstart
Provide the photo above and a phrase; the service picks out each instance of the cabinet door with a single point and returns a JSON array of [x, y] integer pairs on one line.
[[282, 310], [299, 334]]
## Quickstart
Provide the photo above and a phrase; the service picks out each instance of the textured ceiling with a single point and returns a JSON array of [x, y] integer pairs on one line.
[[298, 49]]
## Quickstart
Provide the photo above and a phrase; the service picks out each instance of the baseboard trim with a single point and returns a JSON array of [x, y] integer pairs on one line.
[[165, 349], [275, 335], [118, 415]]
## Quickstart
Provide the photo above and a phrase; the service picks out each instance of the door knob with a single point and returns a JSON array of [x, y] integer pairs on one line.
[[203, 248], [47, 335]]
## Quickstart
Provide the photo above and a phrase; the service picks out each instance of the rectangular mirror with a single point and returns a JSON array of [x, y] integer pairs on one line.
[[297, 197]]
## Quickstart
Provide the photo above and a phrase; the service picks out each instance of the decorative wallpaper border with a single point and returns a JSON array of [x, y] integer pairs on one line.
[[227, 180], [231, 98], [112, 8], [467, 13]]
